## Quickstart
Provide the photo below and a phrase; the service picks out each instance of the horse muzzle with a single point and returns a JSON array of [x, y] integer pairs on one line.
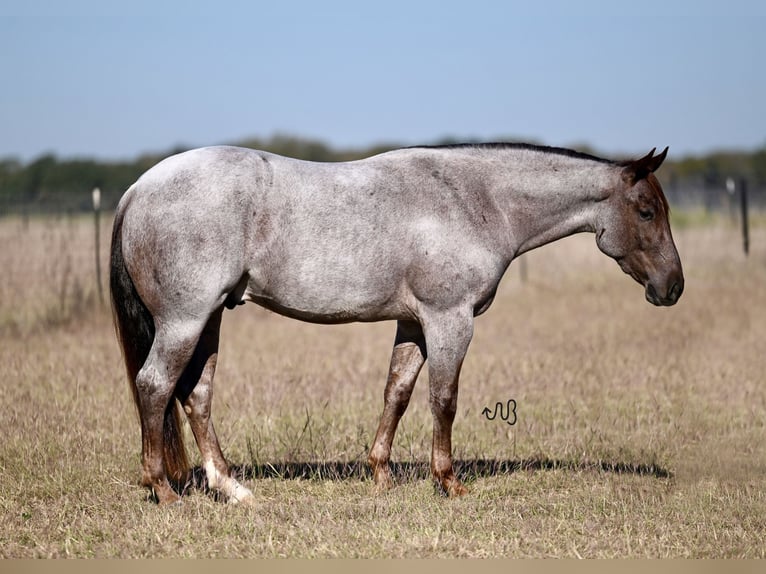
[[670, 296], [662, 291]]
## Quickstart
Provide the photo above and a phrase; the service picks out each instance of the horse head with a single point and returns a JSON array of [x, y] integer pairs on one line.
[[633, 228]]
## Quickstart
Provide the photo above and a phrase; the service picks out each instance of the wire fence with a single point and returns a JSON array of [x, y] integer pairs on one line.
[[714, 198], [718, 198], [66, 240], [58, 204]]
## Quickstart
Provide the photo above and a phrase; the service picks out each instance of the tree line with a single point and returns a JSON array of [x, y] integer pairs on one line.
[[51, 184]]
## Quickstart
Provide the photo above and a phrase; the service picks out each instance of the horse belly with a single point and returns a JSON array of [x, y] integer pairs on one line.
[[329, 290]]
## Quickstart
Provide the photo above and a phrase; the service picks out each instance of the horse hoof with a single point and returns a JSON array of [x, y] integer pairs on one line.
[[170, 501], [452, 487], [245, 500], [383, 482], [456, 490]]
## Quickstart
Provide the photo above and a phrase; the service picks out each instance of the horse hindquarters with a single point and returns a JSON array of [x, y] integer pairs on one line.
[[170, 352], [135, 330]]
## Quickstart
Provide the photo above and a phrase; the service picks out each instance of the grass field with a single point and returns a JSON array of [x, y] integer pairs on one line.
[[640, 431]]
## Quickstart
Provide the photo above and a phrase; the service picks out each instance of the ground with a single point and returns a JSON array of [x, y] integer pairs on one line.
[[639, 430]]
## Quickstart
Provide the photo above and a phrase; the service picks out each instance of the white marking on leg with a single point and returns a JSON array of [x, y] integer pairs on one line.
[[239, 493], [226, 485], [212, 475]]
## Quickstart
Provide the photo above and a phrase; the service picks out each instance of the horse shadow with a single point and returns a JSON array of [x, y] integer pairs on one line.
[[467, 471]]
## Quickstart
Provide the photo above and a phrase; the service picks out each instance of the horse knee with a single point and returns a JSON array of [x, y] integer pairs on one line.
[[444, 404], [152, 385], [198, 402]]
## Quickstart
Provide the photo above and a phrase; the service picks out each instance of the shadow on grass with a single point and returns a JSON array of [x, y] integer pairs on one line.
[[466, 470]]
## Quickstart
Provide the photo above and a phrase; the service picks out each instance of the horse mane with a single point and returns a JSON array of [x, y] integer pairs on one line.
[[653, 182], [519, 146]]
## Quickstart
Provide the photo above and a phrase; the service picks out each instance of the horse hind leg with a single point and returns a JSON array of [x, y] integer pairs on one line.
[[195, 391], [407, 358], [162, 444]]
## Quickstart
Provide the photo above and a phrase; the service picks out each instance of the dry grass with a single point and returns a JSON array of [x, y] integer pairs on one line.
[[640, 430]]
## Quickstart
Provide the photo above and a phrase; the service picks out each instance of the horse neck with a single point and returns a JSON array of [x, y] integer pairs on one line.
[[551, 196]]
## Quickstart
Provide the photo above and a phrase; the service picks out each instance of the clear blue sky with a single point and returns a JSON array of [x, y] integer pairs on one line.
[[114, 79]]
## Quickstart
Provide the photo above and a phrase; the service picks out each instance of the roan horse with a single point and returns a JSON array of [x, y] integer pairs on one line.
[[418, 235]]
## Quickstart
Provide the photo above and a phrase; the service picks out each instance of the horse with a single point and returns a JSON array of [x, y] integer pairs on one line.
[[420, 235]]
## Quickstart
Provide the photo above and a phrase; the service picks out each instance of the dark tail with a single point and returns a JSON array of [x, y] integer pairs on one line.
[[135, 332]]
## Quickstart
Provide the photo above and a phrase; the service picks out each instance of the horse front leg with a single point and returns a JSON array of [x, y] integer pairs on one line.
[[407, 358], [447, 337]]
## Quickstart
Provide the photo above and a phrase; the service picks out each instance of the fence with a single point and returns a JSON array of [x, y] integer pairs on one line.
[[59, 204], [713, 198], [65, 240]]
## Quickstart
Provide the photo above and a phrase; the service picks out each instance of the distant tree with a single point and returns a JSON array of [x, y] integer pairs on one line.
[[48, 181], [36, 174], [10, 169]]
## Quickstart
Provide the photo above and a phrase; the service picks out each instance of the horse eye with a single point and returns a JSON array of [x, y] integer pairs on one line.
[[646, 214]]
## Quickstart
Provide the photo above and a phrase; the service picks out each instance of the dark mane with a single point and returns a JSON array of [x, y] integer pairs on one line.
[[519, 146], [654, 184]]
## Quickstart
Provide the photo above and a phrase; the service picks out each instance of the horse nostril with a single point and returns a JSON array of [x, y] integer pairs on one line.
[[675, 291]]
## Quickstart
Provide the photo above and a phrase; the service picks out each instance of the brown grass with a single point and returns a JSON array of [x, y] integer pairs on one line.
[[640, 430]]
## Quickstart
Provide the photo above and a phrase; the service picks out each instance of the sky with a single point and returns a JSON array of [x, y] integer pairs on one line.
[[112, 80]]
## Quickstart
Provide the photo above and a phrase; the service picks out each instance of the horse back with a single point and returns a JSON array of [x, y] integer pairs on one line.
[[365, 240]]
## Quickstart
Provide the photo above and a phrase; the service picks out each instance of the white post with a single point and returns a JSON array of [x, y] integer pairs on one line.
[[96, 195]]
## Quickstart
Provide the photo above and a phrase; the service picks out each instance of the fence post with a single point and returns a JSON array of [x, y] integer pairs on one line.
[[745, 225], [731, 187], [96, 194]]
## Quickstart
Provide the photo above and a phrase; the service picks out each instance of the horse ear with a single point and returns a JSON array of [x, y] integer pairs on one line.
[[639, 169]]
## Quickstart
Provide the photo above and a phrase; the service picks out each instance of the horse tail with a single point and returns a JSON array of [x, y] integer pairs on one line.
[[134, 327]]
